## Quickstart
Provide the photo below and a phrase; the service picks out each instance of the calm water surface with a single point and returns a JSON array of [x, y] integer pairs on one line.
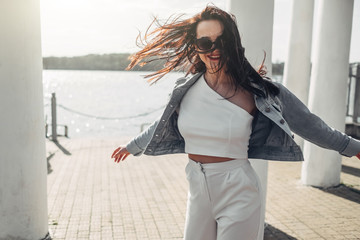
[[105, 103]]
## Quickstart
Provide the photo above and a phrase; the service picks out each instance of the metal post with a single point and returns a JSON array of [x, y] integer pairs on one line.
[[356, 113], [53, 117], [349, 91]]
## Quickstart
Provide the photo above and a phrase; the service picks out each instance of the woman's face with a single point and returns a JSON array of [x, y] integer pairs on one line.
[[211, 29]]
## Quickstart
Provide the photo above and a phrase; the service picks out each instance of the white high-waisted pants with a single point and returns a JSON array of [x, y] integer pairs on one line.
[[224, 201]]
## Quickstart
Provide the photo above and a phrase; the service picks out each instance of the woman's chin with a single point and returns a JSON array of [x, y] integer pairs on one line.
[[214, 68]]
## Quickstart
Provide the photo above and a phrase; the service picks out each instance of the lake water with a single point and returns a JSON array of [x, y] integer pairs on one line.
[[104, 103]]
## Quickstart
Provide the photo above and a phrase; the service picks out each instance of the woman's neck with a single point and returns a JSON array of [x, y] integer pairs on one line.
[[215, 79]]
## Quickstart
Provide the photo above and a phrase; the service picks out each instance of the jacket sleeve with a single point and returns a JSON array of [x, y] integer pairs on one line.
[[310, 127], [138, 144]]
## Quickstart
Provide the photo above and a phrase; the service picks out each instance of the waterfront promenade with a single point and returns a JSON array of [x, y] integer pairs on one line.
[[91, 197]]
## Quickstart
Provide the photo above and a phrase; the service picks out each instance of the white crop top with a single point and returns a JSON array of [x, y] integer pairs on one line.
[[212, 125]]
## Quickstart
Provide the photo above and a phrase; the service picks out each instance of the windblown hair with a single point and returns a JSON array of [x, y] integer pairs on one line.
[[174, 43]]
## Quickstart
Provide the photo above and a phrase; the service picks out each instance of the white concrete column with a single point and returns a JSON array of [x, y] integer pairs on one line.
[[23, 173], [328, 87], [255, 22], [298, 63]]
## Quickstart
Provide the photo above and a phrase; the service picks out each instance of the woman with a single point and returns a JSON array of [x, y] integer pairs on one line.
[[223, 115]]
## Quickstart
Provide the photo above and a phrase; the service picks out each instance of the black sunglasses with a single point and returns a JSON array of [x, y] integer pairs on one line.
[[205, 45]]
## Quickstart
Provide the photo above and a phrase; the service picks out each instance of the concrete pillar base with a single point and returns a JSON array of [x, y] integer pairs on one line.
[[47, 237]]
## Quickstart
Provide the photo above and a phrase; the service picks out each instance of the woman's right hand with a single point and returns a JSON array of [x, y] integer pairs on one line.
[[120, 154]]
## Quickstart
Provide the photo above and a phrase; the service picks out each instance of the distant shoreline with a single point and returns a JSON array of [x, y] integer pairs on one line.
[[112, 62]]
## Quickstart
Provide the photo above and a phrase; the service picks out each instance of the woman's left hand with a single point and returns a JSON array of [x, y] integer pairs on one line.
[[120, 154]]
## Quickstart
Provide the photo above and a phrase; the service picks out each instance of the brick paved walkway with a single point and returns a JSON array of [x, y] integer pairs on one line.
[[91, 197]]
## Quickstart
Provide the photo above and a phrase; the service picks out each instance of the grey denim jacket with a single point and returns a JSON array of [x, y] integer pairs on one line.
[[271, 136]]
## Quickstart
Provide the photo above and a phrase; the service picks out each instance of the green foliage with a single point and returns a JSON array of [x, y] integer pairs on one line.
[[111, 62]]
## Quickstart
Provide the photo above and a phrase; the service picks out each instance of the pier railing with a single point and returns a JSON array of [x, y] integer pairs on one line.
[[352, 109]]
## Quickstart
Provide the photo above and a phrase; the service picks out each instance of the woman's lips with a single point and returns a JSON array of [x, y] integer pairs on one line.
[[214, 57]]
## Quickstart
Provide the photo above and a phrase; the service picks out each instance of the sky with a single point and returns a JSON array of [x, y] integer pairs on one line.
[[80, 27]]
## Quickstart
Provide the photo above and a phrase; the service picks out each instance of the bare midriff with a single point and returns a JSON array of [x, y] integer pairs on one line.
[[208, 159]]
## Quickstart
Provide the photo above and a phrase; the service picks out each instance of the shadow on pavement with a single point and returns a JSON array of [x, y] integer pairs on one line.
[[272, 233], [49, 169], [66, 152], [52, 154], [344, 191], [351, 170]]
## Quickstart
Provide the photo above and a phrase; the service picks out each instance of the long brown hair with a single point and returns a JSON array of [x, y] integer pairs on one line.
[[174, 43]]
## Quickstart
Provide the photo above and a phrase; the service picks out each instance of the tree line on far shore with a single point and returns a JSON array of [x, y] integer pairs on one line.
[[113, 62]]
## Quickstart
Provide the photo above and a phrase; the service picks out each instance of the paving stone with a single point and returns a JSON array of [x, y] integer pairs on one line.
[[91, 197]]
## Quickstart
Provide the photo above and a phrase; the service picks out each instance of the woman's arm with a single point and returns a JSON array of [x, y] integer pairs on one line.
[[310, 127], [139, 143]]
